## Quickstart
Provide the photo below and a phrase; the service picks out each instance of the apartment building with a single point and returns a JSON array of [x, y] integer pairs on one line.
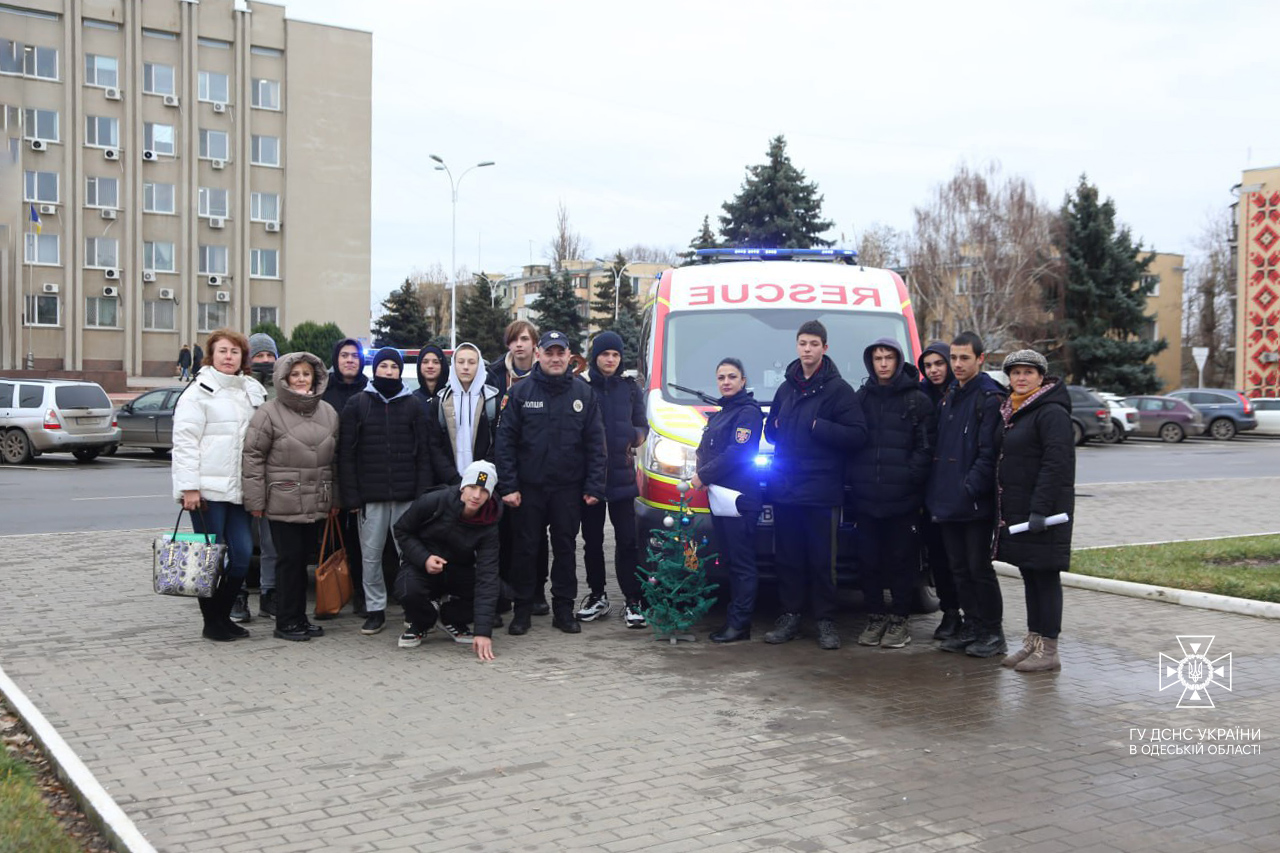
[[520, 293], [1164, 308], [174, 166], [1257, 257]]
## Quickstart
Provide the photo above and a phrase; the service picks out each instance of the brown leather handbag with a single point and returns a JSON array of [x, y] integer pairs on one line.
[[333, 576]]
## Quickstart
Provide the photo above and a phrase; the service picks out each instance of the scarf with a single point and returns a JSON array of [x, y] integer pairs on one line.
[[465, 404], [1016, 400]]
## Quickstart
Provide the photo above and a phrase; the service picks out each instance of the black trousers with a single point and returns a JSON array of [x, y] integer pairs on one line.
[[416, 589], [935, 555], [507, 546], [889, 557], [968, 545], [1043, 590], [622, 515], [736, 546], [805, 546], [293, 549], [557, 510]]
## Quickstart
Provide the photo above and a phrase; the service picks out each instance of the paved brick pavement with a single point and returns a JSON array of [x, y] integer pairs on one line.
[[609, 741]]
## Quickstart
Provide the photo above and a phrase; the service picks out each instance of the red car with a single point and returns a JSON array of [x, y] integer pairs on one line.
[[1168, 418]]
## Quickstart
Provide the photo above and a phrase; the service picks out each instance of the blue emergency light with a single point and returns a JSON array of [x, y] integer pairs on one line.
[[756, 253], [762, 461]]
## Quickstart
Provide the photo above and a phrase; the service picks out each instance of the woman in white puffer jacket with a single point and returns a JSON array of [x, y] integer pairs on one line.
[[209, 426]]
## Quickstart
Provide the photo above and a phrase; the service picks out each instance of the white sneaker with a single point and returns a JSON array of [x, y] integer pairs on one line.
[[633, 617], [594, 607], [459, 633], [410, 639]]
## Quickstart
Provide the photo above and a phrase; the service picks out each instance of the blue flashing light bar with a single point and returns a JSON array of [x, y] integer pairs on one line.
[[777, 253], [762, 461]]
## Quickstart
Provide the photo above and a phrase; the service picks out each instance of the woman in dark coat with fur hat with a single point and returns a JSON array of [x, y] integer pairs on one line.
[[1035, 476]]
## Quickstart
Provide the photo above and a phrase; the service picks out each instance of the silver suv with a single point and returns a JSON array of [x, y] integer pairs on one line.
[[55, 416]]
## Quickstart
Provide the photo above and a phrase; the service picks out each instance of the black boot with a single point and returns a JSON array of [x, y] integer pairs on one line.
[[990, 643], [213, 629], [224, 599], [520, 619], [562, 617], [948, 626]]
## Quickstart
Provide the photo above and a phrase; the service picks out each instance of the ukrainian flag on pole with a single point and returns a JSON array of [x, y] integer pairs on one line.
[[35, 217]]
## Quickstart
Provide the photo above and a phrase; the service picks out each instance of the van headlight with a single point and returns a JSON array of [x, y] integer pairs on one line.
[[670, 458]]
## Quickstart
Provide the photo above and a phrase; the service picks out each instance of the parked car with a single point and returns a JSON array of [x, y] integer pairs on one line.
[[1226, 411], [147, 420], [1267, 412], [55, 416], [1124, 418], [1090, 417], [1166, 418]]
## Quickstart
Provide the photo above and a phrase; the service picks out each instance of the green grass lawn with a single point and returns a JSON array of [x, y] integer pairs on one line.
[[1244, 567], [26, 824]]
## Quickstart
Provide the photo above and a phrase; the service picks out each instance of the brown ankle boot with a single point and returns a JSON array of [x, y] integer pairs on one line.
[[1043, 659], [1028, 646]]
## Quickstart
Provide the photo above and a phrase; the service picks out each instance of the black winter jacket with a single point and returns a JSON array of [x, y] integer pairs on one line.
[[727, 452], [890, 471], [434, 526], [625, 427], [962, 484], [337, 392], [1037, 474], [935, 392], [550, 435], [814, 425], [389, 451]]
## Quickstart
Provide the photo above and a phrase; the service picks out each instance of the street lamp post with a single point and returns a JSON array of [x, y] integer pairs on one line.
[[617, 277], [441, 166]]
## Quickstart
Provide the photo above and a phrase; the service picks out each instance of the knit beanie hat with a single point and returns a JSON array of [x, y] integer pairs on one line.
[[1028, 357], [606, 341], [480, 473], [262, 342], [388, 354]]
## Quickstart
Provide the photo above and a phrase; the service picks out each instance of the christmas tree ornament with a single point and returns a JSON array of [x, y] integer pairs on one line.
[[668, 522], [683, 486], [686, 521]]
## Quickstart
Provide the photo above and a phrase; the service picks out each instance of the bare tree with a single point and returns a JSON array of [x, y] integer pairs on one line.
[[432, 289], [651, 254], [881, 246], [1208, 317], [981, 255], [567, 244]]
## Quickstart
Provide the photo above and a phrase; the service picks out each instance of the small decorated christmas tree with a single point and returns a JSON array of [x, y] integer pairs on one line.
[[677, 593]]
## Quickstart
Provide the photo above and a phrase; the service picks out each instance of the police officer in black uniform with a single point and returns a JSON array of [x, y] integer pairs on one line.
[[551, 460], [727, 459]]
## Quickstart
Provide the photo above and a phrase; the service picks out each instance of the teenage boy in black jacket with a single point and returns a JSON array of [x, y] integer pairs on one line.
[[551, 461], [962, 496], [814, 423], [625, 427], [935, 378]]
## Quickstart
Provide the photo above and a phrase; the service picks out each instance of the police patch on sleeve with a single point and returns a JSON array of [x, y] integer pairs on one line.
[[742, 435], [577, 405]]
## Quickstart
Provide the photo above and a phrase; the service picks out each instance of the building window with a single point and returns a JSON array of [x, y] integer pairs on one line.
[[962, 283], [102, 192], [43, 249], [218, 43], [935, 330], [266, 151], [213, 202], [101, 132], [264, 263], [157, 79], [264, 207], [40, 124], [214, 145], [41, 187], [158, 138], [101, 252], [158, 315], [159, 34], [42, 310], [259, 314], [157, 256], [213, 87], [266, 94], [258, 50], [158, 198], [100, 70], [213, 260], [90, 23], [213, 315], [101, 311], [39, 62], [1153, 281]]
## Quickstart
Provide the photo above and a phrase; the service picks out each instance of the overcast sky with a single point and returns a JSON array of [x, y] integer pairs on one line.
[[642, 117]]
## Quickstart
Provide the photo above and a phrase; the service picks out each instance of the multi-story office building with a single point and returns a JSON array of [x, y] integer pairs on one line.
[[193, 164]]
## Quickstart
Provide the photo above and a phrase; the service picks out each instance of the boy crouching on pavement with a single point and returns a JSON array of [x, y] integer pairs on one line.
[[449, 567]]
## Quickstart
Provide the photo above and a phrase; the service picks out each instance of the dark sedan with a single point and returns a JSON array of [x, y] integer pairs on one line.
[[1226, 411], [147, 420], [1166, 418], [1090, 417]]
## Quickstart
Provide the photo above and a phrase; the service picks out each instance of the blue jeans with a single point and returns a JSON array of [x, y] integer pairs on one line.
[[231, 524]]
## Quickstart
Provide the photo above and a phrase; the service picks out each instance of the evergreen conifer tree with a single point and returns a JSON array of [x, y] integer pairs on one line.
[[480, 320], [705, 239], [677, 592], [1104, 327], [776, 207], [316, 339], [559, 309], [402, 323]]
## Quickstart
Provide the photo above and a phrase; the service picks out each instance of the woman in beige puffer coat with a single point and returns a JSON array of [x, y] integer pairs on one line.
[[289, 468]]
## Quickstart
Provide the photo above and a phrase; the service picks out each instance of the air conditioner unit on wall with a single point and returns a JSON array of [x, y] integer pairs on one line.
[[219, 108], [148, 275], [215, 280], [49, 288], [171, 100], [166, 293], [149, 155], [111, 153], [108, 213], [111, 93], [48, 209], [38, 144], [273, 227], [223, 296], [217, 222], [113, 275], [110, 291], [218, 164]]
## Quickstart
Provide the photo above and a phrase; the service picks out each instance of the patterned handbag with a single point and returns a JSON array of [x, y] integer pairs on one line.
[[187, 564]]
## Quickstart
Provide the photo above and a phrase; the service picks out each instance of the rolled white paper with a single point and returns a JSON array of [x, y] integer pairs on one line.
[[1060, 518]]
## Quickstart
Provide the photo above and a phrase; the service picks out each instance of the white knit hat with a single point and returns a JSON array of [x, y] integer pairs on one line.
[[480, 473]]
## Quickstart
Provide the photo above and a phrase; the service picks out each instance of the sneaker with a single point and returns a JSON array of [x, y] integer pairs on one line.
[[874, 632], [594, 607], [963, 638], [787, 628], [950, 623], [897, 635], [374, 624], [828, 637], [410, 639], [314, 630], [633, 617], [297, 633], [459, 633], [240, 610], [987, 645], [267, 603]]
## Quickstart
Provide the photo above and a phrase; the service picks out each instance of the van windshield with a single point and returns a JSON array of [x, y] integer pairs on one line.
[[765, 341]]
